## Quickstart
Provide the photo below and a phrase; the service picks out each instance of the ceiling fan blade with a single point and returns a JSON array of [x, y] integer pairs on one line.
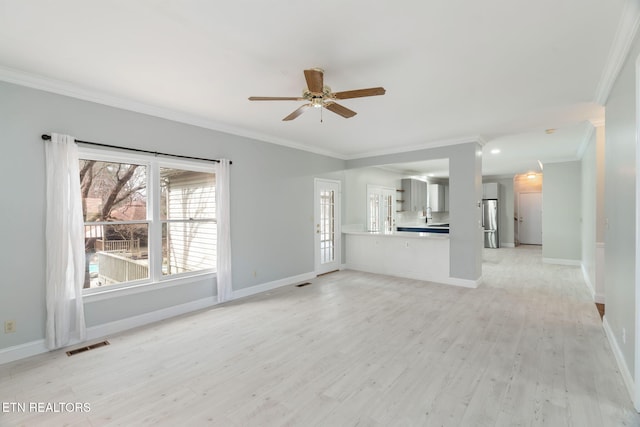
[[274, 98], [339, 109], [315, 80], [359, 93], [296, 113]]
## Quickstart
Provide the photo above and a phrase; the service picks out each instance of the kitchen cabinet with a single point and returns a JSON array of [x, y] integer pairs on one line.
[[490, 190], [414, 195], [436, 198]]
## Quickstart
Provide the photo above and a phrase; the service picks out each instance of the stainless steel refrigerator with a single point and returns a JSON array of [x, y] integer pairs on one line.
[[490, 223]]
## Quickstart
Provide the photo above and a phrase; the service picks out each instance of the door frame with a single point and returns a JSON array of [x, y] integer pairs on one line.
[[520, 193], [337, 225]]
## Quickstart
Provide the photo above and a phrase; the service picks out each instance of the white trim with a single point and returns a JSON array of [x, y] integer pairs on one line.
[[87, 94], [110, 328], [562, 160], [508, 245], [60, 87], [107, 292], [318, 268], [22, 351], [636, 397], [465, 283], [454, 281], [433, 144], [264, 287], [587, 281], [617, 352], [627, 27], [560, 261], [600, 272], [99, 331], [585, 140], [36, 347]]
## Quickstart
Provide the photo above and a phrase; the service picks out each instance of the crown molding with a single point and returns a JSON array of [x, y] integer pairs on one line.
[[561, 160], [627, 28], [588, 133], [434, 144], [59, 87]]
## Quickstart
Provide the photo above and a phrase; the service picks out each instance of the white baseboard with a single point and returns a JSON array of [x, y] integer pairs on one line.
[[264, 287], [22, 351], [587, 280], [617, 352], [597, 297], [508, 245], [600, 272], [560, 261], [465, 283], [36, 347], [100, 331]]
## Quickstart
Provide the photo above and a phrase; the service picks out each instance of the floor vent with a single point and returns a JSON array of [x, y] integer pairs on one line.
[[303, 284], [87, 348]]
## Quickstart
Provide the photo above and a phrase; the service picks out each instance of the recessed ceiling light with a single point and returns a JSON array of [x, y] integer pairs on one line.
[[495, 151]]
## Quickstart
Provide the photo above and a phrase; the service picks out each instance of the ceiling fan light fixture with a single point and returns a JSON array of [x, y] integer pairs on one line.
[[319, 95]]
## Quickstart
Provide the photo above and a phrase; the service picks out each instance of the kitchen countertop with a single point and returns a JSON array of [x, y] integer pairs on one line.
[[403, 234]]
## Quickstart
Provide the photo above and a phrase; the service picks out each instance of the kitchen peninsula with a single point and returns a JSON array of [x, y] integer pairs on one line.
[[410, 254]]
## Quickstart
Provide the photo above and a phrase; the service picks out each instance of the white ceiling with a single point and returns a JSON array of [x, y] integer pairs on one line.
[[495, 71]]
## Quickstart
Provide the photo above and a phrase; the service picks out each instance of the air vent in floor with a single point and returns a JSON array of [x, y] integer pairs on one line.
[[87, 348]]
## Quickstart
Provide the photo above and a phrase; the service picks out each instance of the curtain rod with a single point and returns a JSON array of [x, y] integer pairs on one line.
[[46, 137]]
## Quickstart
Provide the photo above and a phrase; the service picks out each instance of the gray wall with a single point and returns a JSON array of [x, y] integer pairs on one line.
[[620, 206], [589, 192], [561, 211], [271, 202], [355, 188], [465, 193]]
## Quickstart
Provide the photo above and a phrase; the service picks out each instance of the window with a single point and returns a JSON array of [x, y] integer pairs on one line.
[[380, 208], [146, 219]]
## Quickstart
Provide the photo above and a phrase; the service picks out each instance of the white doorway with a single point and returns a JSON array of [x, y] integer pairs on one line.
[[328, 239], [530, 218]]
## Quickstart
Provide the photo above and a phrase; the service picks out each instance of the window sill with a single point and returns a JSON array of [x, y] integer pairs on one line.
[[107, 293]]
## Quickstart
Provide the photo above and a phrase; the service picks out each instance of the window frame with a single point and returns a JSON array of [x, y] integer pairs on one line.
[[381, 192], [153, 163]]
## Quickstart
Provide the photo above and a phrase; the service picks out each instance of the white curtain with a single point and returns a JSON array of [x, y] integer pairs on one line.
[[223, 274], [64, 243]]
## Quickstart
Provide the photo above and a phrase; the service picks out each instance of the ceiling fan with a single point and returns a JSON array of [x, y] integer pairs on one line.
[[320, 96]]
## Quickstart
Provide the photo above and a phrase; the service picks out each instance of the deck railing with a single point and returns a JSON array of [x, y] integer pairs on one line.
[[132, 245], [115, 268]]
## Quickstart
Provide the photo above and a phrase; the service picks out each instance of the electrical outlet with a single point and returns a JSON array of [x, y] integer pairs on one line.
[[9, 326], [624, 336]]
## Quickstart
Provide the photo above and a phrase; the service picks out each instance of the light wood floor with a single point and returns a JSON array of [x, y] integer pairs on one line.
[[526, 348]]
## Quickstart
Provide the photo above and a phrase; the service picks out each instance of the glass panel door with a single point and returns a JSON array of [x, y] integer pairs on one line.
[[327, 231]]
